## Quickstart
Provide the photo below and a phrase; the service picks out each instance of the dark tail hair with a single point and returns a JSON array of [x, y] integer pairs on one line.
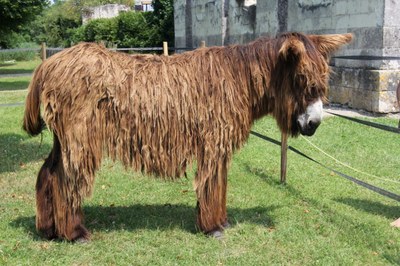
[[33, 122]]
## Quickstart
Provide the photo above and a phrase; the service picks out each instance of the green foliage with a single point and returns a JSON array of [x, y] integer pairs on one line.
[[100, 30], [163, 21], [129, 29], [56, 25], [14, 14], [133, 30], [60, 25]]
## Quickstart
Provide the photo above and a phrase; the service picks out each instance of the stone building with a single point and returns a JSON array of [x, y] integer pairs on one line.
[[104, 11], [366, 72]]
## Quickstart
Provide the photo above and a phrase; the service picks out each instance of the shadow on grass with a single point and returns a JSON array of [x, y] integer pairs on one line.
[[8, 71], [150, 217], [13, 85], [15, 152], [344, 223], [13, 68], [376, 208]]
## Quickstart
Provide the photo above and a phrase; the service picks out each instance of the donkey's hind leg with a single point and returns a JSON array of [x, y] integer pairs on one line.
[[44, 200], [55, 216]]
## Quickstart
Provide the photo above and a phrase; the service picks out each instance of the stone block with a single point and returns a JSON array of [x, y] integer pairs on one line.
[[372, 90]]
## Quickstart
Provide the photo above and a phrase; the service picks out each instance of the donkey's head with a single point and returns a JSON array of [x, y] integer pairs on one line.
[[300, 79]]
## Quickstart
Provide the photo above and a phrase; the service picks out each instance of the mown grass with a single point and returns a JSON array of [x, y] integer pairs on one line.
[[318, 218], [19, 67], [14, 83], [12, 96]]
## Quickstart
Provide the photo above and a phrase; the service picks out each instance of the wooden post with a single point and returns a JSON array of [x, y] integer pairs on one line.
[[203, 44], [284, 147], [43, 54], [165, 48]]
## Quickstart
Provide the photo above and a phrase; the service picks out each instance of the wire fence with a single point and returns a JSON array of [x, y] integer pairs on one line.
[[46, 52]]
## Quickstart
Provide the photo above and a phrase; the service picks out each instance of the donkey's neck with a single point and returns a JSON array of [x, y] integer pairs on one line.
[[258, 59]]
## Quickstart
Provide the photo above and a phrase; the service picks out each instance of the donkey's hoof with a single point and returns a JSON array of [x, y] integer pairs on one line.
[[82, 240], [48, 233], [80, 235], [217, 234], [226, 225]]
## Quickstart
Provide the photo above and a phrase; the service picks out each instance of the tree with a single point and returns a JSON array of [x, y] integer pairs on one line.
[[163, 20], [55, 25], [14, 14], [134, 30]]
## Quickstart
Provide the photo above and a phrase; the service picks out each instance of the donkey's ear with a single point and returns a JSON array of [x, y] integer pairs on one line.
[[329, 43], [292, 49]]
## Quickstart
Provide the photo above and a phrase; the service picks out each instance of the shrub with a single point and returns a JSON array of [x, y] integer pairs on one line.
[[99, 30], [133, 30]]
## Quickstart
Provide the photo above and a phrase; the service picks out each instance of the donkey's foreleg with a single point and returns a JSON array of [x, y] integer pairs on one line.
[[211, 198]]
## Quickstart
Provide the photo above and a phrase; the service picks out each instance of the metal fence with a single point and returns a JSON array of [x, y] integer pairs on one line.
[[46, 52]]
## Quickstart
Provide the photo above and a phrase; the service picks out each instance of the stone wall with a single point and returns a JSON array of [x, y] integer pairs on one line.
[[366, 72], [104, 11]]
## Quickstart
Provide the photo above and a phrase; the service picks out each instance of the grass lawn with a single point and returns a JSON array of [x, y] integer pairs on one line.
[[14, 83], [19, 67], [318, 218], [12, 97]]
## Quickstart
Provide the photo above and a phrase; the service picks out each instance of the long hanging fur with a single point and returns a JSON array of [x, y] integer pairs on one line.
[[157, 114]]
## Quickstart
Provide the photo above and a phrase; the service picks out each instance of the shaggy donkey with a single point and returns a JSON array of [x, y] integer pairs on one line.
[[157, 114]]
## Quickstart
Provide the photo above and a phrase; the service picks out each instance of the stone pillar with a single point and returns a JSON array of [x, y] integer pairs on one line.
[[366, 73], [180, 23]]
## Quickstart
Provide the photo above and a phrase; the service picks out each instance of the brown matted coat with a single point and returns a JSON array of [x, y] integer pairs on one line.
[[157, 114]]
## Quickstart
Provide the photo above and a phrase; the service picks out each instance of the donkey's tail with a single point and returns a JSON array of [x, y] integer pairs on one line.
[[33, 122]]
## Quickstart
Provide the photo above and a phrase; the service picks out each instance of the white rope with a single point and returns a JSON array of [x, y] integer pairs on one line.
[[348, 166]]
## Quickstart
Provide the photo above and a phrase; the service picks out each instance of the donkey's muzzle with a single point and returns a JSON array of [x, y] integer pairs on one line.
[[310, 128], [309, 121]]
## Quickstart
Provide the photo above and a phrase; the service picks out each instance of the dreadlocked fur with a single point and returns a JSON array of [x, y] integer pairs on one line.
[[157, 114]]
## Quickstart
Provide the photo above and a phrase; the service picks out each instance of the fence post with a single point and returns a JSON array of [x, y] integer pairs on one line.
[[165, 48], [284, 147], [203, 44], [43, 54]]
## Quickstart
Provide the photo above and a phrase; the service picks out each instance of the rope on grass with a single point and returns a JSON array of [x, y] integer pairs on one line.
[[346, 165], [378, 190]]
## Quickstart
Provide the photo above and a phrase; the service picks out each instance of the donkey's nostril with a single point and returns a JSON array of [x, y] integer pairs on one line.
[[313, 124]]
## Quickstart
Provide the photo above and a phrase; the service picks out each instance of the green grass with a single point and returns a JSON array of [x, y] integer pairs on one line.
[[14, 83], [12, 97], [19, 67], [318, 218]]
